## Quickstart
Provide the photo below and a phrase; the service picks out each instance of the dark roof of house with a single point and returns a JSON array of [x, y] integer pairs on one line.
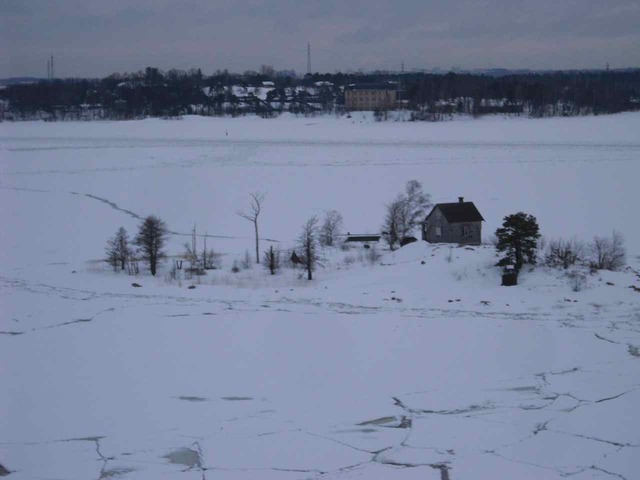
[[458, 212], [372, 86], [362, 237]]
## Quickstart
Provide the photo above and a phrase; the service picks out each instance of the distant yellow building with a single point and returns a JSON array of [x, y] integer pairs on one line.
[[370, 96]]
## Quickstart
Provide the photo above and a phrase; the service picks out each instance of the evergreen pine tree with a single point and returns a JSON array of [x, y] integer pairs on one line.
[[518, 240]]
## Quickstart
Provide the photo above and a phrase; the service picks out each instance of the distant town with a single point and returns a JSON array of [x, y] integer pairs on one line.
[[423, 96]]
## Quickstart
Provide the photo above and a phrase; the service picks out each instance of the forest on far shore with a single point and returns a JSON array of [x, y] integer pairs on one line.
[[427, 96]]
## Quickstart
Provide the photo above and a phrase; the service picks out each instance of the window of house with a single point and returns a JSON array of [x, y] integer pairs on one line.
[[465, 230], [438, 231]]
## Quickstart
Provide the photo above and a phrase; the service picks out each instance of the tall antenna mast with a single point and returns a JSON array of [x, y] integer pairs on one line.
[[309, 58], [52, 70], [48, 69]]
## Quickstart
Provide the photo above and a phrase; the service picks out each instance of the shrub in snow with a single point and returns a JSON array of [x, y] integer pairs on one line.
[[211, 260], [449, 258], [349, 260], [608, 253], [245, 264], [577, 280], [373, 255], [460, 275], [564, 253], [235, 268], [272, 260], [542, 244], [518, 240], [173, 273], [199, 262]]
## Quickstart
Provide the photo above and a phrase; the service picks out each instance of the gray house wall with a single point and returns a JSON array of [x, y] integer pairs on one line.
[[450, 232]]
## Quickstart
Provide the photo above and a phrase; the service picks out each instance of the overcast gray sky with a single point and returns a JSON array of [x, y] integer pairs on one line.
[[98, 37]]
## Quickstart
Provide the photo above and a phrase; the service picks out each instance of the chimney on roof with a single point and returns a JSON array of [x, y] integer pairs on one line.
[[461, 199]]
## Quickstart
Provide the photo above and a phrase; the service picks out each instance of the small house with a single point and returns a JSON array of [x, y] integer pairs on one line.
[[458, 222]]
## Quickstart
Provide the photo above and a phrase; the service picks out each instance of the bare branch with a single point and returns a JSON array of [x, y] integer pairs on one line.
[[251, 214]]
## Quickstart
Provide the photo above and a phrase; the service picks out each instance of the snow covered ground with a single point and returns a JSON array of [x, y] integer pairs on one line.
[[413, 367]]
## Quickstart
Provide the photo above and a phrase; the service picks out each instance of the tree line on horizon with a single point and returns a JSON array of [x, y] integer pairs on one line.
[[154, 93]]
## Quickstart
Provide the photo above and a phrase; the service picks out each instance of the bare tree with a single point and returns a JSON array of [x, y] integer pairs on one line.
[[118, 249], [389, 226], [405, 213], [251, 214], [267, 70], [272, 260], [417, 203], [151, 238], [191, 253], [608, 253], [331, 228], [308, 242], [395, 226]]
